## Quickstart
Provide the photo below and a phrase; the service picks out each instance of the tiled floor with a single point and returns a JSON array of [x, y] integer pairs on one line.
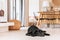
[[20, 35]]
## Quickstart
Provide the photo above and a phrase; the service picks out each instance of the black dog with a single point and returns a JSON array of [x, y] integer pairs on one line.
[[34, 31]]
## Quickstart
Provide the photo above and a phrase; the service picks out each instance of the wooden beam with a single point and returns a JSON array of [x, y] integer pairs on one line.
[[8, 11], [26, 11]]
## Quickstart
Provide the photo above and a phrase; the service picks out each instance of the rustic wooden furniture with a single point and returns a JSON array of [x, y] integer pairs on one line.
[[52, 17], [17, 25]]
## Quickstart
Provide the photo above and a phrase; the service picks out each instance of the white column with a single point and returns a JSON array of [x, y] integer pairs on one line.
[[23, 14], [11, 10]]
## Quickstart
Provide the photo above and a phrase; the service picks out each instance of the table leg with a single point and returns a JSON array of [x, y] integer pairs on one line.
[[48, 25]]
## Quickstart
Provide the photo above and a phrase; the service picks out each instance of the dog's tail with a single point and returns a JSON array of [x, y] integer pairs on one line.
[[47, 34]]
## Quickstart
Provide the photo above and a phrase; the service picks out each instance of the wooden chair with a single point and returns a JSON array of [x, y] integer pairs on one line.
[[44, 19], [17, 25]]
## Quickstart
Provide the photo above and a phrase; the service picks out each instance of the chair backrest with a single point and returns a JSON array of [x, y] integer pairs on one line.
[[35, 16]]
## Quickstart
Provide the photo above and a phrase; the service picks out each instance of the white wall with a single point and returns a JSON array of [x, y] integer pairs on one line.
[[3, 5], [40, 3], [33, 7]]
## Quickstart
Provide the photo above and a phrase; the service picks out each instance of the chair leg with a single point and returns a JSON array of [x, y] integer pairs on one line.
[[37, 23]]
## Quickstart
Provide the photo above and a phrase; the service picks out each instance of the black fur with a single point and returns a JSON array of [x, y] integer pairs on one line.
[[34, 31]]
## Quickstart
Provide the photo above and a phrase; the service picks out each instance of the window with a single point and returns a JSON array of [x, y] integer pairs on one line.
[[17, 10]]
